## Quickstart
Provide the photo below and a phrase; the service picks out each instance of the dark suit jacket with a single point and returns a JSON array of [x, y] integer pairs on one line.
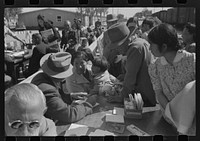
[[137, 78], [58, 103], [34, 63], [68, 36]]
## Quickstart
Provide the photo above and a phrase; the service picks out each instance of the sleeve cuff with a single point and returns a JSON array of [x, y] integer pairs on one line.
[[88, 104]]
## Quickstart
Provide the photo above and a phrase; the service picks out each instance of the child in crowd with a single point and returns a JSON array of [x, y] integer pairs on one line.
[[84, 43], [37, 41], [189, 37], [101, 75], [170, 74], [80, 80]]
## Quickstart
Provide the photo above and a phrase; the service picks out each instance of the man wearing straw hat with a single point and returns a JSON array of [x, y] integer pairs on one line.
[[56, 67], [136, 78]]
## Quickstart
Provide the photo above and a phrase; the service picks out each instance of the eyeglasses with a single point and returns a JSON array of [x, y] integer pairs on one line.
[[18, 124]]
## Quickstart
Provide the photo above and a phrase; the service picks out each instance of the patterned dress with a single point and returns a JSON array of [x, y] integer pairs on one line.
[[171, 79]]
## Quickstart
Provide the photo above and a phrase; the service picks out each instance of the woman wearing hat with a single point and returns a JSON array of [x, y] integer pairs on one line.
[[136, 79], [56, 68]]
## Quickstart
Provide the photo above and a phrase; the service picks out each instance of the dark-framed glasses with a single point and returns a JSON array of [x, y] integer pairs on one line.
[[18, 124]]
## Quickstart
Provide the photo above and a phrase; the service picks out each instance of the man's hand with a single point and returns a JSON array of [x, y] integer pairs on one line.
[[115, 99], [92, 99], [121, 77], [79, 95]]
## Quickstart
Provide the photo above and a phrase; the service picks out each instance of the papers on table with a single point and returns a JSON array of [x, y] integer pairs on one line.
[[99, 132], [114, 118], [117, 115], [136, 131], [76, 130], [118, 111]]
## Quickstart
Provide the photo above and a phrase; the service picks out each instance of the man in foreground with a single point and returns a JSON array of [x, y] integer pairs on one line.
[[25, 106], [56, 68]]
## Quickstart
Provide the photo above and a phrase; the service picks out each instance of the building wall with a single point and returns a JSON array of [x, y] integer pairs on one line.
[[30, 18]]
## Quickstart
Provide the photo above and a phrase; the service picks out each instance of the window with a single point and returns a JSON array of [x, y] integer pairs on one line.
[[59, 19]]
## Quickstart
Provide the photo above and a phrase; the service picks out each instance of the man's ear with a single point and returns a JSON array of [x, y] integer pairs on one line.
[[45, 110]]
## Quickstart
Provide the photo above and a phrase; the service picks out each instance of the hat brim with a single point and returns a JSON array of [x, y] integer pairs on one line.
[[111, 20], [113, 45], [48, 71]]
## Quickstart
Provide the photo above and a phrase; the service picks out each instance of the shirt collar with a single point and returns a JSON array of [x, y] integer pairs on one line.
[[178, 57]]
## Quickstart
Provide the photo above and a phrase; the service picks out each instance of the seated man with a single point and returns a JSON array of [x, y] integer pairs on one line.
[[56, 68], [25, 106]]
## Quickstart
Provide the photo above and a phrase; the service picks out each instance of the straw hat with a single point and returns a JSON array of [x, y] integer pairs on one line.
[[57, 65]]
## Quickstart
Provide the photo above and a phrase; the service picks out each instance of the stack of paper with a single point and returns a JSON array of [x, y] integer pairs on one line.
[[76, 130], [118, 111], [99, 132], [114, 118]]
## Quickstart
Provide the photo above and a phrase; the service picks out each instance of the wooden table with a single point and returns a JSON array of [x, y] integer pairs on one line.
[[152, 121], [12, 67]]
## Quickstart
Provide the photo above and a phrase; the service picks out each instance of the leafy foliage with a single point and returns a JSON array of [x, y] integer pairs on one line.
[[11, 12]]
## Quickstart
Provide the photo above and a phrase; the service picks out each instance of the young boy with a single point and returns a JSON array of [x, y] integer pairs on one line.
[[37, 41], [103, 80]]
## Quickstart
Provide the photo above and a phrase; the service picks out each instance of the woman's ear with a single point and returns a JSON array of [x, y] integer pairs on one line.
[[164, 48]]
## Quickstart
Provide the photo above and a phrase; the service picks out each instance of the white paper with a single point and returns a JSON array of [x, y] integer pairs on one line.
[[119, 111], [99, 132], [114, 118], [46, 34], [76, 130]]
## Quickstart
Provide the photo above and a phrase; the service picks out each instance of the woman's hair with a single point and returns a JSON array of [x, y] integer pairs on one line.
[[101, 62], [37, 37], [40, 17], [85, 54], [191, 28], [47, 23], [149, 21], [164, 34], [131, 20]]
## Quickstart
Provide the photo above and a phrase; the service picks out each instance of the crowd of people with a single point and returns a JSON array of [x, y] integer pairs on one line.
[[149, 59]]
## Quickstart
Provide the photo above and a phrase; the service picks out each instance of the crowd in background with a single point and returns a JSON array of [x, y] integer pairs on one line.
[[150, 59]]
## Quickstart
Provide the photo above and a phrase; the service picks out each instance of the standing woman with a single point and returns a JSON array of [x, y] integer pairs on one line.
[[173, 77], [49, 34]]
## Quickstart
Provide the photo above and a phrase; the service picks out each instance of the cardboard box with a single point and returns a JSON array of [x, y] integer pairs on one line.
[[130, 111]]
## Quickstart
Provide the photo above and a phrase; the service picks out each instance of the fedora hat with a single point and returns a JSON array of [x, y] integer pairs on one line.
[[117, 34], [57, 65], [110, 18]]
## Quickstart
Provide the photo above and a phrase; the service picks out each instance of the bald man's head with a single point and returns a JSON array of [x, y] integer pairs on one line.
[[23, 103], [67, 24]]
